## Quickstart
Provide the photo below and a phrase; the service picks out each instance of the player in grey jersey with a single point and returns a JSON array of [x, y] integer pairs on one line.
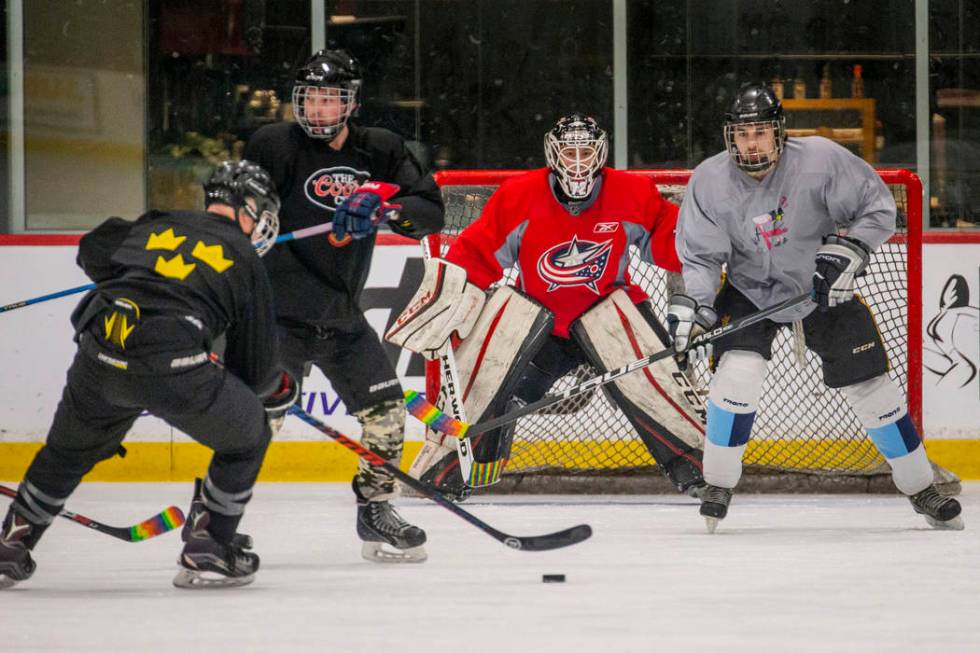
[[789, 216]]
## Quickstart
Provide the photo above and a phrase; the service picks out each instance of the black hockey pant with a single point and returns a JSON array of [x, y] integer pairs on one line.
[[100, 404]]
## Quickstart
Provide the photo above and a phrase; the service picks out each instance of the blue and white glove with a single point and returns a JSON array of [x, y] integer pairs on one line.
[[839, 261], [363, 210], [686, 320]]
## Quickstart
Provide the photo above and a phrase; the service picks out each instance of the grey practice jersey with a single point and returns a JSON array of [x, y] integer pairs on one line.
[[769, 231]]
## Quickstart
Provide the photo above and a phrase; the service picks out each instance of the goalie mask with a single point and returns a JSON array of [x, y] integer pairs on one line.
[[325, 93], [755, 129], [575, 150], [234, 183]]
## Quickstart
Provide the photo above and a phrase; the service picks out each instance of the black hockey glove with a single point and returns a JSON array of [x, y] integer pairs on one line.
[[361, 213], [278, 403], [686, 320], [839, 261]]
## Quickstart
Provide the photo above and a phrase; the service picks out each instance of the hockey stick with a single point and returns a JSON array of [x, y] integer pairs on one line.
[[423, 410], [306, 232], [166, 520], [547, 542]]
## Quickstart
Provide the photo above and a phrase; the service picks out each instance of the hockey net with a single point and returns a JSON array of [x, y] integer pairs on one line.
[[805, 434]]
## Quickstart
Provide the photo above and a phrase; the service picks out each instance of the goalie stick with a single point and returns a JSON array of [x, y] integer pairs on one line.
[[166, 520], [428, 413], [558, 540]]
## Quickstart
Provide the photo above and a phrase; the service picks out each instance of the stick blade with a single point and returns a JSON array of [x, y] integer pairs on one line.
[[552, 541], [163, 522]]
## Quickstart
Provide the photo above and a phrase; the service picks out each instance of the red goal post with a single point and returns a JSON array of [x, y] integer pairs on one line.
[[802, 427]]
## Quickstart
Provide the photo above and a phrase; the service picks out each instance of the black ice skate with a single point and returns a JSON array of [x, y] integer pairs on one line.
[[240, 540], [378, 524], [714, 505], [16, 563], [941, 512], [686, 477], [206, 562]]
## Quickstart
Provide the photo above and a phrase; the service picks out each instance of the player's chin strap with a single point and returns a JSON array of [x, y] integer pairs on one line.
[[435, 418]]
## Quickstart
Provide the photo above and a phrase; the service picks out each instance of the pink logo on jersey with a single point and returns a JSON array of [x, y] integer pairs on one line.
[[575, 263], [770, 228], [329, 187]]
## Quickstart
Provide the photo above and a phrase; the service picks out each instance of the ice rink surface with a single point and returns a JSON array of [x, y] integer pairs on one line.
[[783, 573]]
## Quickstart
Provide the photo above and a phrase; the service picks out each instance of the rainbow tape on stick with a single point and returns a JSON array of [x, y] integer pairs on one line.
[[167, 520], [486, 473], [428, 414]]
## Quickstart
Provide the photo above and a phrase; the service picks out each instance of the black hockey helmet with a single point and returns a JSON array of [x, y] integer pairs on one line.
[[233, 183], [329, 76], [755, 105], [576, 150]]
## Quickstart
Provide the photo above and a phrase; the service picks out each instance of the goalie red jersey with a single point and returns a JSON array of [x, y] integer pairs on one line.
[[569, 262]]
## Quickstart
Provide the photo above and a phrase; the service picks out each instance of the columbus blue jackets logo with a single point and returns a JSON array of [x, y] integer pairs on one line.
[[329, 187], [575, 263]]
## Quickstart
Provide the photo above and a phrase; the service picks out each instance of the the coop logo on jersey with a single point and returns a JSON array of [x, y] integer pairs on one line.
[[329, 187], [575, 263], [770, 228]]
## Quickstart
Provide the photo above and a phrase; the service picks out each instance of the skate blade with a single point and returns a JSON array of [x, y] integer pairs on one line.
[[954, 524], [190, 579], [377, 552], [711, 523], [6, 582]]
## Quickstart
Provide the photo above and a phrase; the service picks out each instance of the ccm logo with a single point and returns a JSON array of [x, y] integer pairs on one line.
[[864, 347]]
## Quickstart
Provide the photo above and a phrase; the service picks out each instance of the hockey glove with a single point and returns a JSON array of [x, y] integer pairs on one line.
[[277, 404], [839, 261], [361, 213], [686, 320]]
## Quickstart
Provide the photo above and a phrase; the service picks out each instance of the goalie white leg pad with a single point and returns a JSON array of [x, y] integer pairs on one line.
[[616, 333], [508, 333]]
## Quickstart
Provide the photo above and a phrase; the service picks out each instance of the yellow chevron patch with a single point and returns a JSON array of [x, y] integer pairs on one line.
[[213, 255], [117, 329], [175, 268], [167, 240]]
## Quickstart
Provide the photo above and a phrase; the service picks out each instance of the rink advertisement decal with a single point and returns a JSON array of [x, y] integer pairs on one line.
[[38, 348]]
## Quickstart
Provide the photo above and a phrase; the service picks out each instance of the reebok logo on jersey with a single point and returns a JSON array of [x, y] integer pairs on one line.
[[575, 263], [329, 187], [605, 227]]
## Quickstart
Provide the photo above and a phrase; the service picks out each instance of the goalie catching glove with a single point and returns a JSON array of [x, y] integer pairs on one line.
[[363, 210], [839, 262], [686, 320], [444, 304]]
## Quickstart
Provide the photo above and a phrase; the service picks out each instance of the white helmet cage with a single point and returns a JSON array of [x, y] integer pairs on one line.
[[307, 103], [576, 150]]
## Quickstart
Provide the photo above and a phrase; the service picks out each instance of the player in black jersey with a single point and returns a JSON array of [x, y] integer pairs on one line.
[[167, 285], [318, 164]]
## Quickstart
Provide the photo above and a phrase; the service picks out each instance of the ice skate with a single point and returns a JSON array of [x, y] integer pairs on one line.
[[240, 540], [940, 512], [206, 562], [686, 477], [378, 525], [714, 505], [16, 563]]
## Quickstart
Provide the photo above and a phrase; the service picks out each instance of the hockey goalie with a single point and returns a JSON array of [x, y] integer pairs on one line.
[[568, 229]]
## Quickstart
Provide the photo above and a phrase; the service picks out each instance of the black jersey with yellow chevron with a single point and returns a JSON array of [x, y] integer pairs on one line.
[[195, 266]]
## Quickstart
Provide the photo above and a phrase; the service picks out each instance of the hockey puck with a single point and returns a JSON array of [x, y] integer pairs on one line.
[[553, 578]]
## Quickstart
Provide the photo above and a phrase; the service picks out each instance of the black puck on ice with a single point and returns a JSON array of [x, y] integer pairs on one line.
[[553, 578]]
